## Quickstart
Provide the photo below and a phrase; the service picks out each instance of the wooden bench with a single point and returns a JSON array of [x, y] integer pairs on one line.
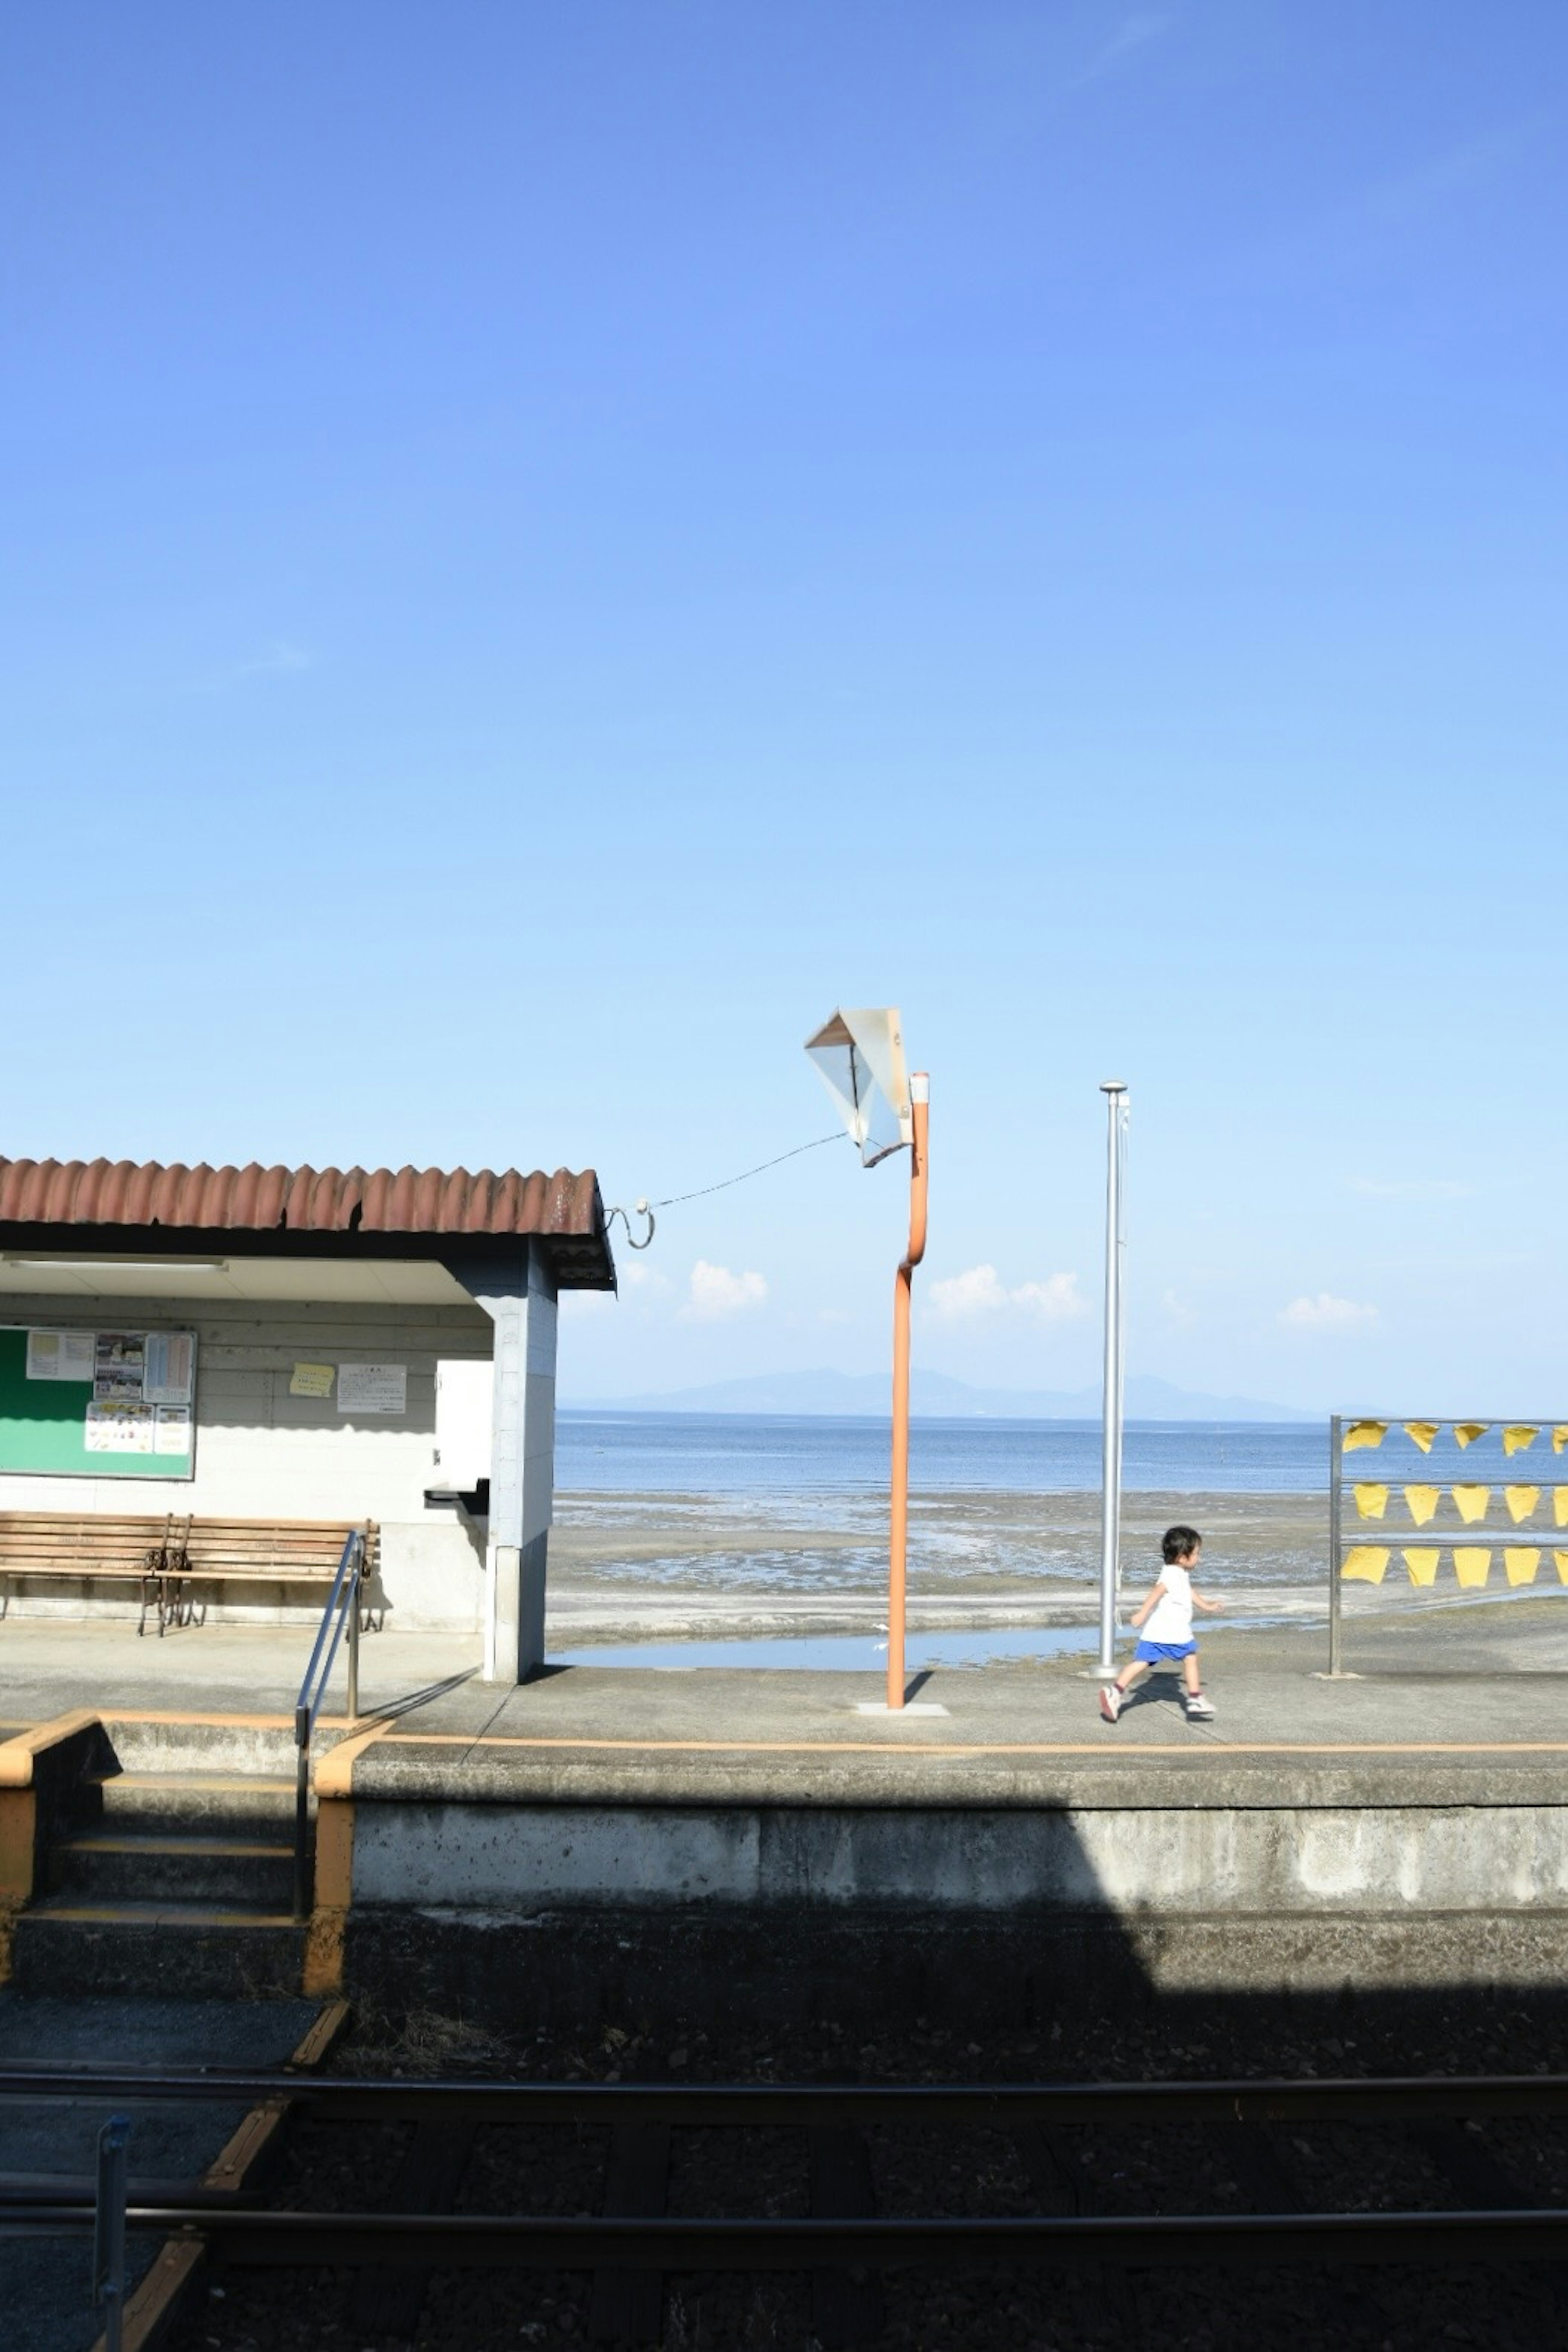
[[169, 1555]]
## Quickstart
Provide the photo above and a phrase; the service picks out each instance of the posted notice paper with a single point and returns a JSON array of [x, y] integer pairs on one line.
[[115, 1426], [172, 1429], [119, 1367], [169, 1364], [312, 1380], [59, 1355], [372, 1388]]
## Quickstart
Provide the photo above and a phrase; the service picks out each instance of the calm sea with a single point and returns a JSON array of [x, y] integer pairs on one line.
[[757, 1454]]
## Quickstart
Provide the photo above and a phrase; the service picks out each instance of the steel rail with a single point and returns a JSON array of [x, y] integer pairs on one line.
[[1290, 2099], [504, 2240]]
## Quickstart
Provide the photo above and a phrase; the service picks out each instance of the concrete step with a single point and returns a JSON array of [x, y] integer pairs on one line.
[[192, 1950], [242, 1744], [139, 1867], [193, 1804]]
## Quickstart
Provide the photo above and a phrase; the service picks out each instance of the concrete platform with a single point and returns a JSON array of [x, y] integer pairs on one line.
[[48, 1667], [604, 1837], [607, 1836]]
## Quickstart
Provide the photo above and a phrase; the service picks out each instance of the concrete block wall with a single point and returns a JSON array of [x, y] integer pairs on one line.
[[261, 1453]]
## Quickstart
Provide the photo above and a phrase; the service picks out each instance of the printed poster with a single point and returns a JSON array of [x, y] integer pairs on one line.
[[119, 1425], [169, 1368], [172, 1429], [60, 1355], [118, 1368], [372, 1388]]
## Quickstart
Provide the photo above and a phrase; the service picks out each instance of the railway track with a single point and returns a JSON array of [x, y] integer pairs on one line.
[[1477, 2203]]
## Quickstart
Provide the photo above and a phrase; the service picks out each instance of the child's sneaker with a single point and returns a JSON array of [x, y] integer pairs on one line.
[[1198, 1709], [1111, 1702]]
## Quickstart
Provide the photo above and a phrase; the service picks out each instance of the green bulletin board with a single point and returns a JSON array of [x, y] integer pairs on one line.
[[64, 1428]]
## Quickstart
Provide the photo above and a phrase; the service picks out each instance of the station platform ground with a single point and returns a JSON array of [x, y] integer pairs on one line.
[[50, 1666], [650, 1828], [1429, 1713], [1011, 1734]]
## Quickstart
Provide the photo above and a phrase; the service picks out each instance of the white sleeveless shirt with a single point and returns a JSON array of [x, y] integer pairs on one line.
[[1171, 1619]]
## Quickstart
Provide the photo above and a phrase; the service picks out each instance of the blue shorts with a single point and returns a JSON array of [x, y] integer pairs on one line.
[[1160, 1653]]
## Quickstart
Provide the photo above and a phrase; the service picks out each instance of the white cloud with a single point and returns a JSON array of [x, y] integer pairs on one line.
[[1177, 1307], [1058, 1299], [1326, 1313], [635, 1275], [717, 1293], [980, 1291]]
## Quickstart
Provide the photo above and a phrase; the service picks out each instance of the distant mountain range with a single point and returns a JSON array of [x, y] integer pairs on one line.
[[936, 1396]]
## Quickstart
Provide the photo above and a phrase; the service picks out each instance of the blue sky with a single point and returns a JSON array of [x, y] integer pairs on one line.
[[545, 548]]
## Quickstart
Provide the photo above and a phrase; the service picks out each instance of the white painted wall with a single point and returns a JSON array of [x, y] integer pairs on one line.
[[261, 1453]]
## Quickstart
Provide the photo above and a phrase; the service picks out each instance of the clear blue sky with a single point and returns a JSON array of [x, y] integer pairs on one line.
[[545, 547]]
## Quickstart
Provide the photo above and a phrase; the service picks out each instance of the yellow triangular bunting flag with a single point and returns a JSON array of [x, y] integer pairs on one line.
[[1471, 1563], [1518, 1435], [1466, 1432], [1421, 1433], [1422, 1562], [1364, 1433], [1560, 1505], [1472, 1503], [1521, 1502], [1562, 1560], [1422, 1502], [1366, 1563], [1371, 1501], [1521, 1560], [1559, 1436]]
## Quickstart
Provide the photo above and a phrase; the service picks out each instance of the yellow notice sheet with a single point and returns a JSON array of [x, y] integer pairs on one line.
[[1471, 1565], [1371, 1501], [1365, 1564], [1521, 1560], [312, 1380], [1422, 1562], [1472, 1503], [1422, 1502], [1364, 1433], [1466, 1432], [1421, 1433], [1518, 1435]]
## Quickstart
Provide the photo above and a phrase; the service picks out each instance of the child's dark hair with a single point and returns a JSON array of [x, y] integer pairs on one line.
[[1177, 1542]]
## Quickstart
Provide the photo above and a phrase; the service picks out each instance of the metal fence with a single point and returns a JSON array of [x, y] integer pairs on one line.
[[1460, 1528]]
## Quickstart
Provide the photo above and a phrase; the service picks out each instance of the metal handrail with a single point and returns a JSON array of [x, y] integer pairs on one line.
[[344, 1601]]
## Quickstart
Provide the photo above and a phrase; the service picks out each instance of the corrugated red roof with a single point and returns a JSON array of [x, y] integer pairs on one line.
[[125, 1193]]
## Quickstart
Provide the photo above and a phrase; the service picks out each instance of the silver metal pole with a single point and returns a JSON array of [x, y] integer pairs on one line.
[[1115, 1093], [355, 1593]]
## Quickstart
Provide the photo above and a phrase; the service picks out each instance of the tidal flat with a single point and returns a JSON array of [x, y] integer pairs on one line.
[[662, 1565]]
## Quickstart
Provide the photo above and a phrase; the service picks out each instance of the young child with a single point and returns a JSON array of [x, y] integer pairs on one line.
[[1167, 1614]]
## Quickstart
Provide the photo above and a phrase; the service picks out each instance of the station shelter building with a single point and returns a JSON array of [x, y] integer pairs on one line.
[[295, 1344]]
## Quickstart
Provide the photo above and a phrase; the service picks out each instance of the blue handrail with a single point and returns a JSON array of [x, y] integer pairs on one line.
[[342, 1602]]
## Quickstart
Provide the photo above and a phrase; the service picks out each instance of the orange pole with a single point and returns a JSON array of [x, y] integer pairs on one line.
[[899, 1516]]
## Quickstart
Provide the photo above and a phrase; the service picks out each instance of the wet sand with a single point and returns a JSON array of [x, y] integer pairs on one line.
[[672, 1567]]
